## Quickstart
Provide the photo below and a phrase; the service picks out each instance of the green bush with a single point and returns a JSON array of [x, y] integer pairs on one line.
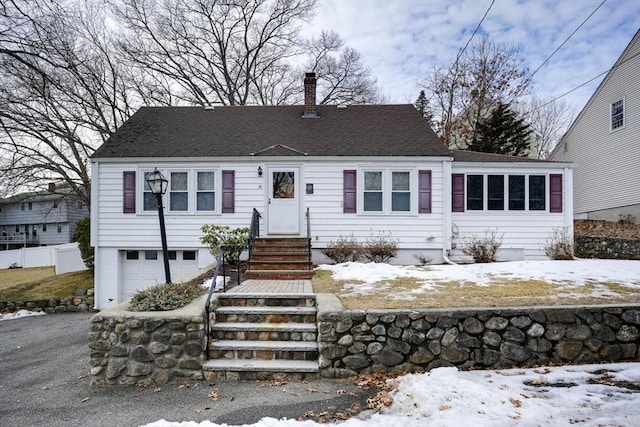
[[166, 296], [483, 249], [381, 248], [559, 244], [345, 249], [82, 236], [235, 240]]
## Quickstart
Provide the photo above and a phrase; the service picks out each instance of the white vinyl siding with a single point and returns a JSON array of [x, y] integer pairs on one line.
[[607, 172]]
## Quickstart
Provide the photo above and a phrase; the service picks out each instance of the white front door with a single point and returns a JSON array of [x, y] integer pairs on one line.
[[284, 200]]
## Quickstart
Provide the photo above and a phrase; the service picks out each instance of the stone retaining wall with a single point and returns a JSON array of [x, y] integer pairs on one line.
[[146, 348], [51, 305], [352, 342], [606, 247]]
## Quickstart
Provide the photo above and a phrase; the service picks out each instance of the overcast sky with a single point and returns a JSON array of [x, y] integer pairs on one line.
[[400, 40]]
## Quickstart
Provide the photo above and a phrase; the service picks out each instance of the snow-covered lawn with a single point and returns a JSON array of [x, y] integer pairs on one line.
[[588, 395], [20, 313], [604, 281]]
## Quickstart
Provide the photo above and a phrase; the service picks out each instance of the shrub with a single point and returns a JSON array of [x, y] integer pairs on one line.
[[559, 244], [423, 260], [345, 249], [82, 236], [166, 296], [381, 248], [235, 240], [483, 249]]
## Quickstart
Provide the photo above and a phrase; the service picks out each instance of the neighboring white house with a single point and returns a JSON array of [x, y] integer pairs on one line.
[[39, 218], [360, 170], [604, 144]]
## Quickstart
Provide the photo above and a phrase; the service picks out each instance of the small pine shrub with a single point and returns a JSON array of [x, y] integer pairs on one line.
[[381, 248], [484, 248], [82, 236], [166, 296], [345, 249], [559, 244]]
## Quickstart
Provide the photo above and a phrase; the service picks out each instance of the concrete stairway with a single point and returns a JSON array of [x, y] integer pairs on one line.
[[263, 336], [280, 259]]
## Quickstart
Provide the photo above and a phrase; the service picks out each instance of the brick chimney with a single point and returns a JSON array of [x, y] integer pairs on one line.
[[52, 187], [310, 96]]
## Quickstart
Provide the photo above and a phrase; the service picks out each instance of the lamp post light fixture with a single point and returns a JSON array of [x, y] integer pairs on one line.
[[158, 186]]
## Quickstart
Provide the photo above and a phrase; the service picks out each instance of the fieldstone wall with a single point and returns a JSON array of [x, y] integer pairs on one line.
[[352, 342], [51, 305], [606, 248], [147, 348]]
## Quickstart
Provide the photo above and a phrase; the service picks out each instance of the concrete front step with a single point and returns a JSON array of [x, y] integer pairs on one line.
[[265, 314], [264, 350], [279, 274], [261, 365], [266, 327], [264, 331], [267, 300]]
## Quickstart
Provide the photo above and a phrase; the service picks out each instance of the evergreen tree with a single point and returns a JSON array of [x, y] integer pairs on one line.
[[503, 132], [423, 107]]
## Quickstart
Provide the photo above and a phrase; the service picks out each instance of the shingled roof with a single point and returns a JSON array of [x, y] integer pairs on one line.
[[356, 130], [480, 157]]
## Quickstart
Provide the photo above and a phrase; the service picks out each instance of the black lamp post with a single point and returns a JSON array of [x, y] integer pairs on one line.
[[158, 186]]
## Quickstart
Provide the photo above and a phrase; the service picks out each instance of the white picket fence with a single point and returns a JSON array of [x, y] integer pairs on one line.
[[65, 258]]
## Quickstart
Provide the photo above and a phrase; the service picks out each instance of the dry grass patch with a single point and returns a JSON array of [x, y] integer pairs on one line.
[[410, 293], [16, 276], [60, 286]]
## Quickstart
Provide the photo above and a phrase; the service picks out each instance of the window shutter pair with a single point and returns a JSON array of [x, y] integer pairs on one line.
[[555, 192], [129, 191], [350, 194]]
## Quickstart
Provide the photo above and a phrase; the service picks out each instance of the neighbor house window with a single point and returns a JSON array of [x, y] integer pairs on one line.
[[516, 192], [30, 206], [205, 191], [22, 206], [178, 191], [59, 229], [496, 192], [44, 227], [475, 192], [537, 193], [617, 114], [373, 191]]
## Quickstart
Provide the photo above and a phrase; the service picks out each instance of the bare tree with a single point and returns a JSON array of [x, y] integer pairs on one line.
[[464, 94], [342, 77], [549, 120], [61, 94]]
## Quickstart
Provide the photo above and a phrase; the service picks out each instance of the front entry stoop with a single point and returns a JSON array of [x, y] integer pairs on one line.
[[263, 336], [280, 258]]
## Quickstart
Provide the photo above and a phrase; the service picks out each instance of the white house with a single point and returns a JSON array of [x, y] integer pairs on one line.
[[39, 218], [358, 170], [604, 142]]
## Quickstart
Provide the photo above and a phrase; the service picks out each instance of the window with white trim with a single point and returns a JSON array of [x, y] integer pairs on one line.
[[149, 201], [617, 114], [512, 192], [388, 191], [178, 191], [205, 191]]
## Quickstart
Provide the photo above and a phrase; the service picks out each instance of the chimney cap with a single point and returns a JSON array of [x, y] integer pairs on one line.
[[310, 75]]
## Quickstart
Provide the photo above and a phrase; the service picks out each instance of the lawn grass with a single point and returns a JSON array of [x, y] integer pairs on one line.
[[408, 293], [41, 283]]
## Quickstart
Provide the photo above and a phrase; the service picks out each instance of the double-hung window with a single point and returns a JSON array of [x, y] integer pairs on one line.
[[179, 191], [373, 191], [617, 114], [149, 200], [387, 191], [205, 191]]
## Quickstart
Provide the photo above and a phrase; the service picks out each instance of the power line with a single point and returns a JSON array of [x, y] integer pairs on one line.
[[588, 81], [567, 39]]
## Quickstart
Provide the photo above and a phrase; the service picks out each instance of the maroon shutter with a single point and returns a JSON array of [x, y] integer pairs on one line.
[[424, 191], [555, 193], [228, 191], [349, 191], [457, 192], [129, 192]]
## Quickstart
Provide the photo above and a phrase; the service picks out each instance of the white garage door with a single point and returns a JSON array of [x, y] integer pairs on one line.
[[142, 269]]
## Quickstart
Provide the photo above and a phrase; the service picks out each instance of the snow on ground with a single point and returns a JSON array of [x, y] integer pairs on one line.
[[20, 313], [220, 281], [560, 396], [567, 273]]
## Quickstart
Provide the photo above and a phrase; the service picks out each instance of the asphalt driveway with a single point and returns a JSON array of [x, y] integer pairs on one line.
[[45, 381]]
